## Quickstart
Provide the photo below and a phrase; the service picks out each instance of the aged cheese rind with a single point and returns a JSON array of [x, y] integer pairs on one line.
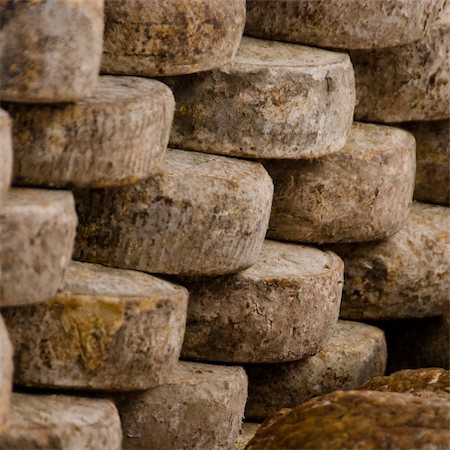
[[348, 24], [6, 154], [433, 161], [354, 354], [283, 308], [36, 242], [408, 82], [117, 136], [404, 276], [273, 100], [173, 37], [200, 407], [202, 215], [61, 422], [360, 193], [6, 373], [359, 419], [50, 50], [426, 382], [106, 329]]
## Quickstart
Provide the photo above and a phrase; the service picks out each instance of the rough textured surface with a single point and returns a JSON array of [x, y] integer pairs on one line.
[[362, 420], [117, 136], [409, 82], [60, 422], [354, 354], [213, 211], [6, 372], [273, 100], [349, 24], [201, 407], [247, 432], [172, 37], [360, 193], [430, 383], [417, 343], [36, 242], [281, 309], [404, 276], [6, 154], [50, 49], [106, 329], [433, 161]]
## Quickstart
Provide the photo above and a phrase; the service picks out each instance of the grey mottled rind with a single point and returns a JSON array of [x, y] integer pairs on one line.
[[283, 308], [405, 83], [6, 154], [363, 420], [360, 193], [201, 407], [36, 242], [202, 215], [248, 430], [6, 373], [348, 24], [59, 422], [404, 276], [413, 344], [50, 49], [354, 354], [115, 137], [433, 161], [426, 382], [172, 37], [106, 329], [273, 100]]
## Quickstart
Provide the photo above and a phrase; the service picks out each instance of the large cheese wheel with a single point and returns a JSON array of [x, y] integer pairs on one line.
[[201, 407], [283, 308], [348, 24], [50, 49], [61, 422], [354, 353], [106, 329], [273, 100], [360, 193], [202, 215], [405, 276], [36, 242], [170, 37], [6, 155], [433, 160], [407, 82], [115, 137]]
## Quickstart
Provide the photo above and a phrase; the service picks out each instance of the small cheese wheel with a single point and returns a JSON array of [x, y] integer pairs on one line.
[[6, 154], [405, 276], [36, 242], [348, 24], [354, 354], [433, 161], [425, 382], [115, 137], [273, 100], [50, 50], [6, 373], [106, 329], [202, 215], [359, 420], [361, 193], [172, 37], [200, 407], [283, 308], [61, 422], [408, 82]]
